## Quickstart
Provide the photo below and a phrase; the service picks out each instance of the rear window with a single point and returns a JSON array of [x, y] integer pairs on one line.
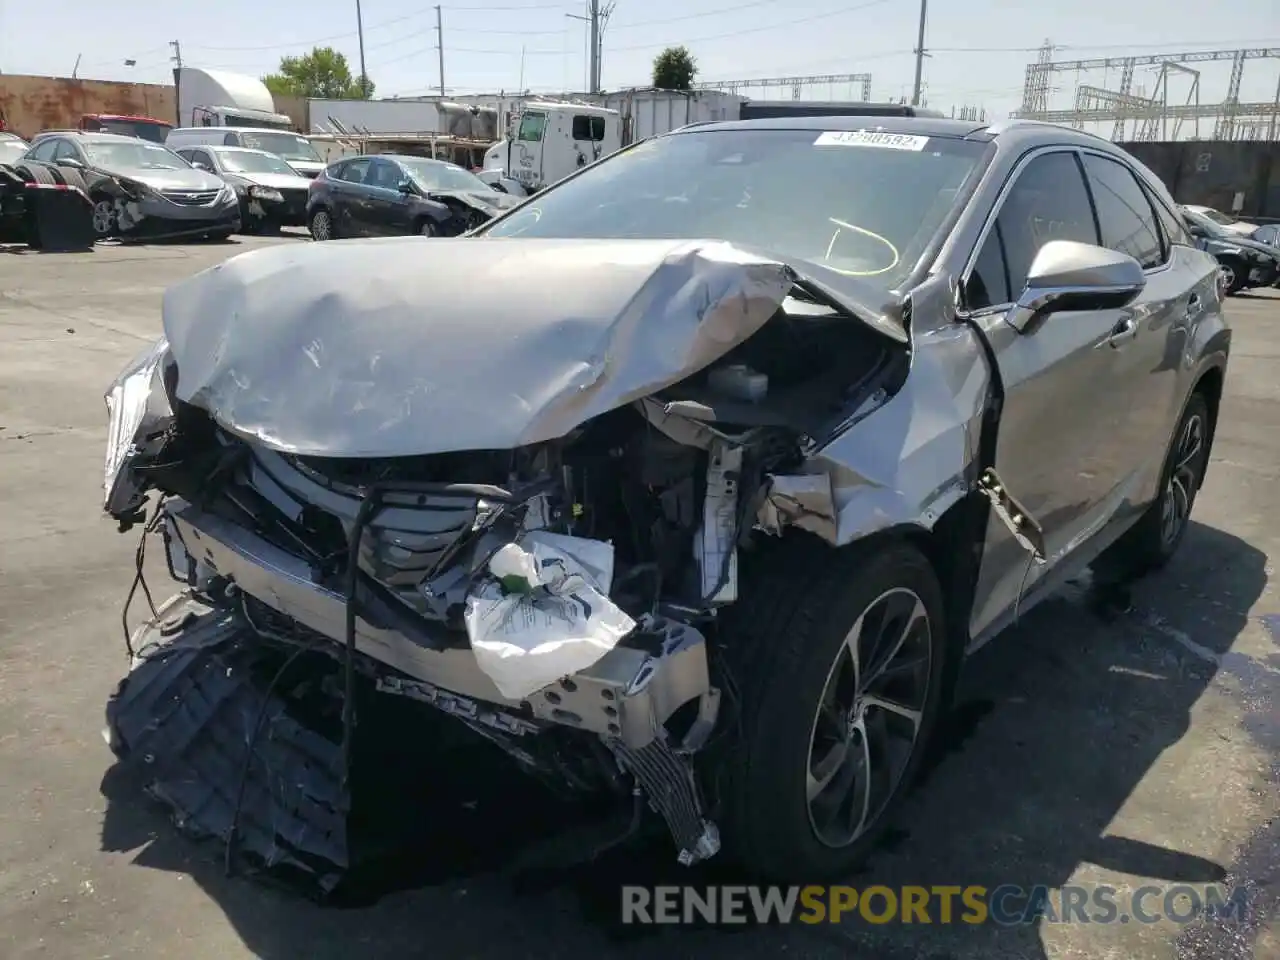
[[142, 129]]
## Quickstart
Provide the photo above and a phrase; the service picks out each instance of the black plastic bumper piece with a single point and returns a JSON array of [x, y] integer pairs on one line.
[[188, 713]]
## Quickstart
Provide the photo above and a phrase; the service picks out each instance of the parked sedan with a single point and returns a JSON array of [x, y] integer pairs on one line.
[[1243, 262], [140, 189], [689, 482], [1224, 220], [272, 194], [392, 195], [12, 147]]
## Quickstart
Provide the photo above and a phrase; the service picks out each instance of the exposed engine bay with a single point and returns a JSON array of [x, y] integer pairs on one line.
[[559, 598]]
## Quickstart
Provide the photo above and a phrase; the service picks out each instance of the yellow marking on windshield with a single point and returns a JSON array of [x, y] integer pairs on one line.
[[841, 225]]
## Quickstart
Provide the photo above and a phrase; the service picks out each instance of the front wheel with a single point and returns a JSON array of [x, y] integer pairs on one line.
[[321, 225], [840, 673], [1233, 275], [104, 216]]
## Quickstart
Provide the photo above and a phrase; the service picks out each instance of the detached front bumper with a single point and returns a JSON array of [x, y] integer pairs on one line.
[[154, 217], [628, 695], [627, 701]]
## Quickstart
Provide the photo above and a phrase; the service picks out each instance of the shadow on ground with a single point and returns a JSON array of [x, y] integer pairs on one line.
[[1055, 725]]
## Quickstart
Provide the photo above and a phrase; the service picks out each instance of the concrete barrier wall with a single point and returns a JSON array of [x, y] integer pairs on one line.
[[1213, 172], [31, 104]]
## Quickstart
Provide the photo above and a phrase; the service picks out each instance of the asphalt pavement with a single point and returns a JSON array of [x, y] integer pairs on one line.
[[1132, 747]]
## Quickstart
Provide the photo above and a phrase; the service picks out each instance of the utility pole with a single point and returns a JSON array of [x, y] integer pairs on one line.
[[440, 46], [364, 77], [177, 79], [595, 46], [915, 95]]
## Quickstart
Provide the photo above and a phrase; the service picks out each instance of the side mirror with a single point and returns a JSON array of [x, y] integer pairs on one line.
[[1067, 275], [201, 166], [405, 187]]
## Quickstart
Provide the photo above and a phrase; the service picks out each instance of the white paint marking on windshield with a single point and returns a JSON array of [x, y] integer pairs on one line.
[[868, 138]]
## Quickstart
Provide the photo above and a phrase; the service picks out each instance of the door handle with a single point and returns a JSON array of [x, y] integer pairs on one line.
[[1123, 332]]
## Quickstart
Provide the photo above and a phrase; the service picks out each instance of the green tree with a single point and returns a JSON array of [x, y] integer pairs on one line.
[[674, 69], [323, 72]]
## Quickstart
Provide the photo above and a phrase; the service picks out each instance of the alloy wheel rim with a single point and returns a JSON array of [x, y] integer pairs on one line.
[[1228, 276], [1180, 490], [320, 226], [103, 217], [866, 727]]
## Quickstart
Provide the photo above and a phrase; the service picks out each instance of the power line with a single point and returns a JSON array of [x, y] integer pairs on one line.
[[694, 16], [746, 30]]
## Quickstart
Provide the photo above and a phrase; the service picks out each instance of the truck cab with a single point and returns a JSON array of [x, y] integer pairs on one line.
[[212, 98], [546, 141]]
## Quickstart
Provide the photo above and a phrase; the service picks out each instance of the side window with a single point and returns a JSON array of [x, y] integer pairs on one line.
[[1124, 213], [231, 140], [588, 128], [44, 150], [1175, 231], [531, 127], [65, 151], [382, 174], [1048, 201], [203, 156], [1269, 234], [354, 171], [988, 283], [187, 155]]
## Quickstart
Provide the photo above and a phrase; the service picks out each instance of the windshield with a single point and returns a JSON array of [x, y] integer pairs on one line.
[[133, 156], [433, 175], [237, 161], [287, 145], [11, 150], [864, 204], [1215, 216], [1203, 221], [143, 130]]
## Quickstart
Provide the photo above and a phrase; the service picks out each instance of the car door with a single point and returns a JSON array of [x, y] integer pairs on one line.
[[1148, 364], [347, 195], [1060, 460], [387, 208]]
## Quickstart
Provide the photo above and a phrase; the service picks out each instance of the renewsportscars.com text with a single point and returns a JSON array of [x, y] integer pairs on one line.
[[1007, 905]]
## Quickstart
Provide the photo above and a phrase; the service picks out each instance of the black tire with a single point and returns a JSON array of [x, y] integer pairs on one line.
[[1239, 275], [104, 216], [219, 236], [317, 219], [782, 644], [426, 227], [34, 173], [1148, 545], [72, 178]]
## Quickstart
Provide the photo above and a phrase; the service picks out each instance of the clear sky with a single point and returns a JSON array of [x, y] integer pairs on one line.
[[980, 47]]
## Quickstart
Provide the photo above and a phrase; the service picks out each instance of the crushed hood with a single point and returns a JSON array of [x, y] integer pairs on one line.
[[487, 201], [405, 346]]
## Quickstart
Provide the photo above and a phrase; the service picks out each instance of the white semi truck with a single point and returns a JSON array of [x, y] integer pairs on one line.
[[548, 140], [212, 98]]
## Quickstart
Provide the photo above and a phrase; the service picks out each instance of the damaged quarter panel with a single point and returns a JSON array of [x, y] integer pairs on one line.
[[370, 349]]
